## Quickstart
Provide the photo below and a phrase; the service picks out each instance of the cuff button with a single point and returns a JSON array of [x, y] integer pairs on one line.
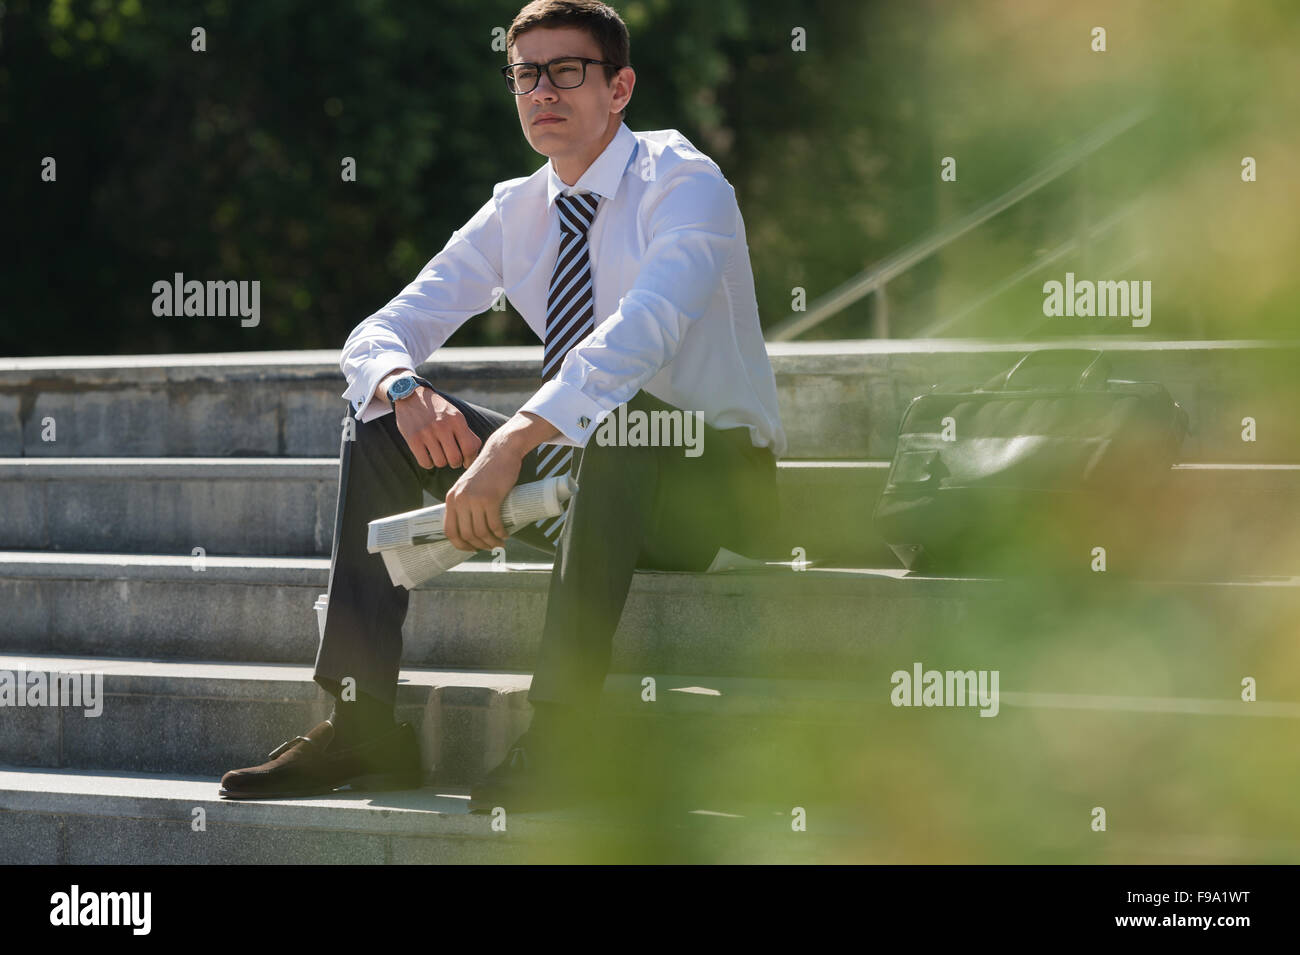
[[584, 421]]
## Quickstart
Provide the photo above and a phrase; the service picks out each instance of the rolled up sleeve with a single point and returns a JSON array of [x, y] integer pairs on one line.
[[461, 281], [692, 233]]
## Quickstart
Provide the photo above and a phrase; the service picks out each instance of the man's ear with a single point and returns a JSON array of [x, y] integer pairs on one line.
[[630, 80]]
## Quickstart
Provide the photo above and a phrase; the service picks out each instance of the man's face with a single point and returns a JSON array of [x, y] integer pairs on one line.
[[584, 113]]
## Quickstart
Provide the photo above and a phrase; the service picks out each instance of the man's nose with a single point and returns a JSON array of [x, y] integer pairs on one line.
[[544, 80]]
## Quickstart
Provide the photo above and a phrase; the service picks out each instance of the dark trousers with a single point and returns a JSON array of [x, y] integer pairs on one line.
[[647, 507]]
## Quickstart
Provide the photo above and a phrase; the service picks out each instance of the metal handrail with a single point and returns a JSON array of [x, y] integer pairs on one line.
[[875, 278], [1061, 251]]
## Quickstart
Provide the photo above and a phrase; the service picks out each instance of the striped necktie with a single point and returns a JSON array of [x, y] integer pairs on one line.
[[570, 317]]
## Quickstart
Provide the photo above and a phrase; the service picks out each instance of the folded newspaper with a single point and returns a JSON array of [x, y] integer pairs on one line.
[[415, 548]]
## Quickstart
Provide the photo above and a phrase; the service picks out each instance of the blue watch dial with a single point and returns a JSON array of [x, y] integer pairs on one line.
[[402, 387]]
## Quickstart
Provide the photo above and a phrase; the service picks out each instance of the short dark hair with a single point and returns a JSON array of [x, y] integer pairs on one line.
[[599, 20]]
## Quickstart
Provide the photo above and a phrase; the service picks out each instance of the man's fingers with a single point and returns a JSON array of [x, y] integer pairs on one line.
[[469, 442], [414, 444], [438, 443], [421, 453], [496, 525], [426, 452], [435, 455], [474, 527], [450, 452], [483, 538], [451, 528]]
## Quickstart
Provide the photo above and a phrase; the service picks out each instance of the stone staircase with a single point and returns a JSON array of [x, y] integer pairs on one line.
[[175, 533]]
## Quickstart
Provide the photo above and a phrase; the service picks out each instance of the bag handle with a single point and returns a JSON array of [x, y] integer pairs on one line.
[[1090, 364]]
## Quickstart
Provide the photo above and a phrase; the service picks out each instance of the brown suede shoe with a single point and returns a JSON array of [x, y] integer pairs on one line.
[[309, 765]]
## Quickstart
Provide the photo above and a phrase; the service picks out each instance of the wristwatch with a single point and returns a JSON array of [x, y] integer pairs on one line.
[[404, 387]]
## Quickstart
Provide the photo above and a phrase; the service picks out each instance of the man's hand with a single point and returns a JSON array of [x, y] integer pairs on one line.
[[472, 519], [435, 430]]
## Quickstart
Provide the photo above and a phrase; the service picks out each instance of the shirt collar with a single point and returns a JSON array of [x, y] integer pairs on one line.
[[603, 175]]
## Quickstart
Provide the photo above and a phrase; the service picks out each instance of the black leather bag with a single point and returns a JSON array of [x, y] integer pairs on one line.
[[1031, 470]]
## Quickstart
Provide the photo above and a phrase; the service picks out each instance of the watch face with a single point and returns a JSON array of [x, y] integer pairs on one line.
[[401, 387]]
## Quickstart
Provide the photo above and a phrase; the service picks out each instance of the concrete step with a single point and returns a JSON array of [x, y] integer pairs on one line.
[[271, 506], [77, 818], [212, 717], [838, 399], [928, 786], [1244, 517], [209, 717], [819, 623]]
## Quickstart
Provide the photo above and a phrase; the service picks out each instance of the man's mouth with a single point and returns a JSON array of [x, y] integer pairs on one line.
[[548, 119]]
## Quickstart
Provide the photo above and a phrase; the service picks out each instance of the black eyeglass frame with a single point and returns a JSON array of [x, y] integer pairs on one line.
[[546, 67]]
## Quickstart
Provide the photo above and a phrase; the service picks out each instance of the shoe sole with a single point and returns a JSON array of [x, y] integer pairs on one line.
[[374, 782], [479, 805]]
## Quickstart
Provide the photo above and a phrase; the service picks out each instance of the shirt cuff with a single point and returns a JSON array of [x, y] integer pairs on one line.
[[568, 409], [368, 380]]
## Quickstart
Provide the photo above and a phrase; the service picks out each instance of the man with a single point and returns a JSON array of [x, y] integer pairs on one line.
[[626, 254]]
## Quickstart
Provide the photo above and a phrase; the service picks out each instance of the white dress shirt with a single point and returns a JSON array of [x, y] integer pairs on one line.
[[675, 309]]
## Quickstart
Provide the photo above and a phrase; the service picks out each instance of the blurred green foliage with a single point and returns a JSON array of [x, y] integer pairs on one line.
[[225, 164]]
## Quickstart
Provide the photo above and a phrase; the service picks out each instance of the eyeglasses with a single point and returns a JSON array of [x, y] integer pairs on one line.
[[565, 73]]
